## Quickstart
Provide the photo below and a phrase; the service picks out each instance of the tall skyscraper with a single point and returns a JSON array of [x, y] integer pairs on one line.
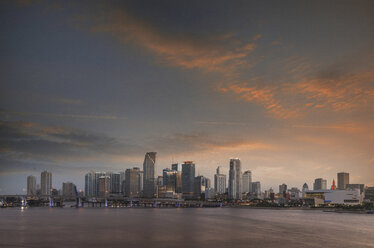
[[98, 174], [219, 182], [132, 182], [282, 188], [31, 186], [115, 183], [89, 186], [256, 188], [199, 187], [103, 186], [68, 190], [235, 179], [188, 177], [320, 184], [343, 180], [46, 183], [247, 182], [149, 167]]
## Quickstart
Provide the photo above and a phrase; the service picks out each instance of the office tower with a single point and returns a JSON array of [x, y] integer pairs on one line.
[[199, 187], [89, 186], [103, 186], [282, 189], [305, 187], [235, 179], [256, 188], [31, 186], [219, 182], [369, 194], [165, 174], [149, 167], [141, 182], [132, 182], [46, 183], [98, 174], [68, 191], [175, 167], [207, 182], [188, 177], [343, 180], [320, 184], [115, 183], [247, 181]]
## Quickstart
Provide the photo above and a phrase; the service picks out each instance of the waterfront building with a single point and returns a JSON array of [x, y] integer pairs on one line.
[[369, 194], [103, 186], [320, 184], [247, 181], [210, 194], [235, 179], [141, 182], [68, 191], [305, 187], [256, 188], [132, 182], [46, 183], [149, 167], [347, 197], [98, 174], [294, 193], [89, 186], [31, 186], [219, 182], [199, 187], [172, 179], [360, 187], [188, 179], [282, 189], [115, 183], [343, 180]]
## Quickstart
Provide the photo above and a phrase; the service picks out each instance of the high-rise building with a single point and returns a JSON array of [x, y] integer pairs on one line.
[[68, 191], [175, 167], [188, 179], [89, 186], [343, 180], [256, 188], [199, 187], [320, 184], [141, 182], [132, 182], [282, 188], [149, 167], [103, 186], [247, 181], [369, 194], [115, 183], [46, 183], [305, 187], [235, 179], [219, 182], [172, 180], [98, 174], [31, 186]]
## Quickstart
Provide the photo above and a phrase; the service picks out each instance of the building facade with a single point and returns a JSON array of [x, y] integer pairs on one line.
[[320, 184], [343, 180], [46, 183], [149, 168], [235, 180], [188, 179], [219, 182], [89, 186], [31, 186], [247, 181], [132, 182]]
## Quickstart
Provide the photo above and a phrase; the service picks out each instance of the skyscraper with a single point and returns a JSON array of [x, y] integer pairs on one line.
[[149, 167], [247, 182], [46, 183], [343, 180], [199, 187], [320, 184], [235, 179], [31, 186], [256, 188], [219, 182], [103, 186], [115, 183], [89, 186], [68, 190], [98, 174], [188, 177], [282, 188], [132, 182]]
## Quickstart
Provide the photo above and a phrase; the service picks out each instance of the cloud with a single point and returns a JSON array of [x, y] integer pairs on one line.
[[68, 116]]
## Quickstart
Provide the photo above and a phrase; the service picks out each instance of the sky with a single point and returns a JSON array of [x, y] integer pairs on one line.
[[286, 86]]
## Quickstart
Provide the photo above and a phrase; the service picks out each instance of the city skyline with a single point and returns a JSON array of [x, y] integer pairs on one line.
[[97, 85]]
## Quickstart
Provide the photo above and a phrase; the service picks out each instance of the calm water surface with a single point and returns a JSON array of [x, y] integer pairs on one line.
[[219, 227]]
